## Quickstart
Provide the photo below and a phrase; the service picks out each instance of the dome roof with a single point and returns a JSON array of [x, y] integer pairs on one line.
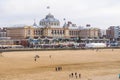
[[49, 16], [49, 19]]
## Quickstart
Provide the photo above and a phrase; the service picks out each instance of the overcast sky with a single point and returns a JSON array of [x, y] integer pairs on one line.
[[98, 13]]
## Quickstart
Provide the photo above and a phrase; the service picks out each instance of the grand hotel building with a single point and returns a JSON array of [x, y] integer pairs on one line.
[[50, 27]]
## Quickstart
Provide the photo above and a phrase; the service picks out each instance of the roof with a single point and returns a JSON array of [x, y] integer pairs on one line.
[[73, 27], [49, 18]]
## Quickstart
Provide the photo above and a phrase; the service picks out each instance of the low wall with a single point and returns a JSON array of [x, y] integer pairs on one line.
[[51, 49]]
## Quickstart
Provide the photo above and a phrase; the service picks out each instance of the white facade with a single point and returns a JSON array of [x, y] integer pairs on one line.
[[95, 45], [3, 32]]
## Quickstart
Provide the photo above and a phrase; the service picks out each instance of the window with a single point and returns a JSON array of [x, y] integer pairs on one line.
[[70, 32], [51, 23], [39, 32], [55, 31], [54, 23], [52, 32], [28, 32], [63, 32], [40, 23], [60, 31]]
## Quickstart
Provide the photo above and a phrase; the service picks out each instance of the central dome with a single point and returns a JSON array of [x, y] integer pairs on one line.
[[49, 16], [49, 20]]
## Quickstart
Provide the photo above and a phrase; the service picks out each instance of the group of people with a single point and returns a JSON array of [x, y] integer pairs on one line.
[[76, 75], [37, 56], [58, 68]]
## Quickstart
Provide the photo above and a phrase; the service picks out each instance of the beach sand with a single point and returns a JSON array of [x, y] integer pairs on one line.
[[103, 64]]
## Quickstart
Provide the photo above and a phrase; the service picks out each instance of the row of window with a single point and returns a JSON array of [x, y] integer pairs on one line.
[[62, 32], [74, 32], [38, 32], [49, 23], [57, 32]]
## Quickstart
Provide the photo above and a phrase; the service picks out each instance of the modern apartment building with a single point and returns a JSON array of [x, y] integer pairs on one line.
[[113, 32]]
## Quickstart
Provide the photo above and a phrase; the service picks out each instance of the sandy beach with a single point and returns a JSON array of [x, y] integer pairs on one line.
[[103, 64]]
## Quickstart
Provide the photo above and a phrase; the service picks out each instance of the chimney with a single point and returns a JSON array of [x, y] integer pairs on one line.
[[69, 23], [88, 25]]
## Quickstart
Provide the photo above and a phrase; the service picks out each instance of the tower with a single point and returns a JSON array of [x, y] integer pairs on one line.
[[34, 24]]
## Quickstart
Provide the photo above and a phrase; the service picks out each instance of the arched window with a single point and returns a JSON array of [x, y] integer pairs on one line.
[[39, 32], [70, 32], [44, 23], [63, 32], [51, 23], [40, 23], [55, 31], [35, 32], [60, 31], [54, 23], [52, 32], [29, 32]]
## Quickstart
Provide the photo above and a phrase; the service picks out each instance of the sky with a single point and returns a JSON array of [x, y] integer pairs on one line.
[[97, 13]]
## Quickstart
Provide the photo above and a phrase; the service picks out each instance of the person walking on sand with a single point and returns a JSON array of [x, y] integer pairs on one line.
[[56, 69], [79, 75], [50, 56], [76, 76], [35, 58], [75, 73], [72, 74]]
